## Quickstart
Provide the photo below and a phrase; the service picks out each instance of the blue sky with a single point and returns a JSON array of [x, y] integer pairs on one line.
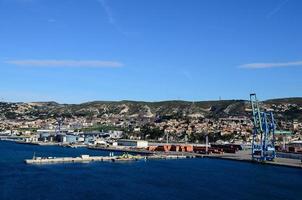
[[73, 51]]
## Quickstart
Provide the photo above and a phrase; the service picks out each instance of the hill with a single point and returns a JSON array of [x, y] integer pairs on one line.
[[287, 108]]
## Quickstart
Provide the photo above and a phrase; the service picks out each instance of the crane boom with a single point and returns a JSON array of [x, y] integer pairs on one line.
[[263, 145]]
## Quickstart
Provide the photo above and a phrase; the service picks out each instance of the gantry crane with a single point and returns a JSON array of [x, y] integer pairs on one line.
[[58, 125], [263, 146]]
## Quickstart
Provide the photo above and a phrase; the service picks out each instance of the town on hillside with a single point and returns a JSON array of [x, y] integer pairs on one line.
[[107, 123]]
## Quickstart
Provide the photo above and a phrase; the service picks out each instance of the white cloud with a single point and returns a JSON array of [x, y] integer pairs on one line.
[[107, 11], [66, 63], [270, 65], [110, 17], [277, 9]]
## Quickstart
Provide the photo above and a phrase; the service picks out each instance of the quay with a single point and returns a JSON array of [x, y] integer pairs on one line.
[[245, 156], [242, 155], [39, 143], [122, 149], [82, 158], [282, 159], [87, 158]]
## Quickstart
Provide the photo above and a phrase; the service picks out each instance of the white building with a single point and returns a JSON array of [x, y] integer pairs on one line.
[[133, 143]]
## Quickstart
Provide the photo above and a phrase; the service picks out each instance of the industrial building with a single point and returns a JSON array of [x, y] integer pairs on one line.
[[133, 143]]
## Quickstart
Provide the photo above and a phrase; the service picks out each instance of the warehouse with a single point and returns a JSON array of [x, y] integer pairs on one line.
[[133, 143]]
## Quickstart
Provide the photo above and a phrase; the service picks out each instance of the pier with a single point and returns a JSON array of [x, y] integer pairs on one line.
[[242, 155], [87, 158], [245, 156], [122, 149]]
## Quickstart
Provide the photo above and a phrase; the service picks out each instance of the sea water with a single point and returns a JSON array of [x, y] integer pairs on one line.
[[138, 180]]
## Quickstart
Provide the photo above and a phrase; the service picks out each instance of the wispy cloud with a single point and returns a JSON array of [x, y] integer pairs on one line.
[[66, 63], [270, 65], [277, 9], [108, 12], [110, 17]]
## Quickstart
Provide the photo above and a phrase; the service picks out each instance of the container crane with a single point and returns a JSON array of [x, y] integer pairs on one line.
[[58, 126], [263, 146]]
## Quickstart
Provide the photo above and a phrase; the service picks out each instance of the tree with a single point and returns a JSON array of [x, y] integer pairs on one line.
[[151, 133]]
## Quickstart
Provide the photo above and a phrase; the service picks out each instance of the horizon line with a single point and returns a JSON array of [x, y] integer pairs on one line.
[[150, 101]]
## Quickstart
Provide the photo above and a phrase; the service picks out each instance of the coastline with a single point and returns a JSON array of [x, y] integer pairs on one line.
[[241, 156]]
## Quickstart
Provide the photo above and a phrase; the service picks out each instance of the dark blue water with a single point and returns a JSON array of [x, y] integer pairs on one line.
[[157, 179]]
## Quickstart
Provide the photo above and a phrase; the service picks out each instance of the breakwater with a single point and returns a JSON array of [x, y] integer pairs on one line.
[[87, 158]]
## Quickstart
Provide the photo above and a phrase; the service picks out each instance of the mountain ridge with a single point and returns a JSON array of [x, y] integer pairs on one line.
[[289, 107]]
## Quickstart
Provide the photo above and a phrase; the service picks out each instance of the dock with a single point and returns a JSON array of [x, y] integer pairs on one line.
[[245, 156], [242, 155], [122, 149], [38, 143], [82, 158], [87, 158]]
